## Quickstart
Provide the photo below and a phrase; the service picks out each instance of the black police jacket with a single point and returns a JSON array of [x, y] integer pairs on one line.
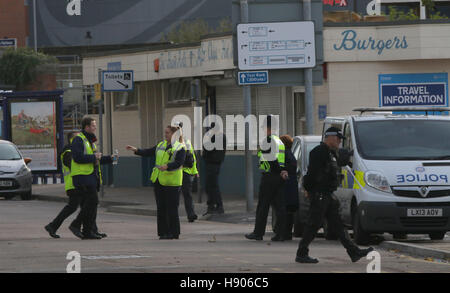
[[322, 175]]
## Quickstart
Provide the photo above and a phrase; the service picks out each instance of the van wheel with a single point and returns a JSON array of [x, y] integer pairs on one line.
[[327, 233], [437, 235], [360, 236]]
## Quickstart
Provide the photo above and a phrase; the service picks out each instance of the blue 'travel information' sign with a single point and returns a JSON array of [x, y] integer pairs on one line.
[[419, 89], [253, 77]]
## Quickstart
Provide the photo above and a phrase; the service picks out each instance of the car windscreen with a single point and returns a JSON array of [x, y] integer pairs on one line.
[[403, 139], [9, 152]]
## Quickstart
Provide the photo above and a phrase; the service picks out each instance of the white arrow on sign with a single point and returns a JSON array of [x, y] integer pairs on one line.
[[243, 76]]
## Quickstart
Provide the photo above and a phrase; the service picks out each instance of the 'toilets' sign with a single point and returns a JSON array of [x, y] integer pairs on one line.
[[118, 81], [420, 89]]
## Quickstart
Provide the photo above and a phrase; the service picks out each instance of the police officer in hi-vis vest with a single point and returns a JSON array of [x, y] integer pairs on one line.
[[71, 192], [167, 177], [272, 161], [87, 177]]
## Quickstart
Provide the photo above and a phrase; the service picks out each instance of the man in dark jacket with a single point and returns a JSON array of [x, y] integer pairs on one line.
[[71, 192], [87, 184], [320, 182], [214, 155]]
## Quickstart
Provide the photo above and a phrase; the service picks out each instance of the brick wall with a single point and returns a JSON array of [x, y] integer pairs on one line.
[[14, 20]]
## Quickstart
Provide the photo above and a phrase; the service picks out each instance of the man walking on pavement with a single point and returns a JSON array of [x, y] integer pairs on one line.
[[272, 163], [214, 155], [71, 192], [87, 177], [320, 182]]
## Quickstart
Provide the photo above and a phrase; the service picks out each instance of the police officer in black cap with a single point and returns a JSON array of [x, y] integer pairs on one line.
[[320, 182]]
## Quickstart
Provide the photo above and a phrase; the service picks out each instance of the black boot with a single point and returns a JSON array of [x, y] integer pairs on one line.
[[277, 237], [253, 236], [76, 231], [51, 231], [357, 254], [306, 259]]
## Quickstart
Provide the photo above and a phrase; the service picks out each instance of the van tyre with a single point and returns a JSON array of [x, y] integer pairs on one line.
[[437, 235], [360, 236]]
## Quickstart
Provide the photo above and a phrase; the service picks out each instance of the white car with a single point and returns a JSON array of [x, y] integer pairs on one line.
[[15, 176]]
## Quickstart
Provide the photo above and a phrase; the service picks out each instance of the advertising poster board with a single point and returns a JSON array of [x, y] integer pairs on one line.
[[33, 130]]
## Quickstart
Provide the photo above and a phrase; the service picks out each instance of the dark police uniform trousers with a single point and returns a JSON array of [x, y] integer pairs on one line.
[[167, 201], [186, 189], [75, 200], [324, 206], [271, 192]]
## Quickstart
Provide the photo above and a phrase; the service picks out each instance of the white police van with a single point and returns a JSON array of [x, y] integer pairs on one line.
[[398, 178]]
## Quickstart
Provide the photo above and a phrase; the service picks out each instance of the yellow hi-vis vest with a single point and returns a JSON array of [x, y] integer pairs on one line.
[[88, 168], [264, 164], [68, 183], [193, 170], [163, 157]]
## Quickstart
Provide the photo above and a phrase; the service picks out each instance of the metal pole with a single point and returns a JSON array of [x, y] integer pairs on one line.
[[100, 131], [198, 97], [309, 99], [248, 111], [35, 25]]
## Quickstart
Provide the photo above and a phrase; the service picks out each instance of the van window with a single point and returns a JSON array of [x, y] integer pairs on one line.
[[347, 141], [403, 139]]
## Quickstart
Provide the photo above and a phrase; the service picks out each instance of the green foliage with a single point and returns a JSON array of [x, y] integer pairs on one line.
[[429, 4], [396, 15], [18, 66], [192, 31]]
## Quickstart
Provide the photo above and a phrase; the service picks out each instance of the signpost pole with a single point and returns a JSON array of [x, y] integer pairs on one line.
[[35, 25], [248, 109], [100, 131], [309, 99]]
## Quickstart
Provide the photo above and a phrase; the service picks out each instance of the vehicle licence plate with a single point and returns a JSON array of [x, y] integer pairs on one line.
[[424, 212], [6, 183]]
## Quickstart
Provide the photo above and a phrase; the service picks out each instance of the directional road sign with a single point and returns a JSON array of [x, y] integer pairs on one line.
[[117, 81], [277, 45], [253, 77]]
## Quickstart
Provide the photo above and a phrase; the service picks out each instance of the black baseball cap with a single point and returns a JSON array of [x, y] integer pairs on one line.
[[334, 131]]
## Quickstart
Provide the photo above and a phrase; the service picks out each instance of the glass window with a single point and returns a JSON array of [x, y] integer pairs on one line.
[[126, 99], [179, 90], [9, 152], [403, 139]]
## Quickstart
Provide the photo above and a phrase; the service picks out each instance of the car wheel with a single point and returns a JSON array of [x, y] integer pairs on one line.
[[360, 236], [437, 235], [327, 233], [26, 195], [9, 196]]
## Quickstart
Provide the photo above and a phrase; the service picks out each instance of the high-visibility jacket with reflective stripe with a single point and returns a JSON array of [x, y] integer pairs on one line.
[[193, 170], [88, 168], [68, 183], [264, 164], [164, 157]]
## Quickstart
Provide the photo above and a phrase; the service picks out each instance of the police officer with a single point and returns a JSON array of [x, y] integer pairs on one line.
[[71, 192], [320, 182], [271, 188], [167, 177], [87, 177]]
